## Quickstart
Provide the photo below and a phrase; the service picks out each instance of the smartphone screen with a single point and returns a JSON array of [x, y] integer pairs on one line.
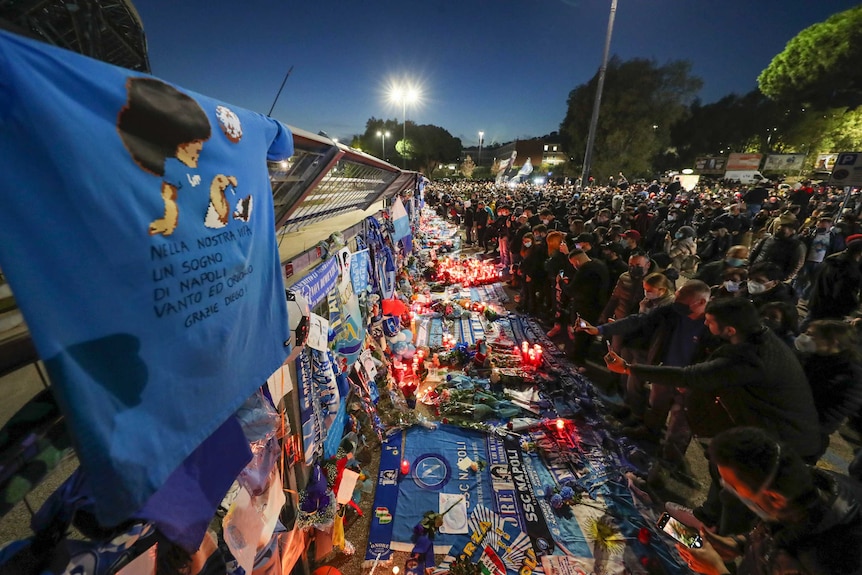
[[583, 323], [686, 535]]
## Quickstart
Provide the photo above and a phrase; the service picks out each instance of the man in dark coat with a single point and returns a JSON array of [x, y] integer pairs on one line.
[[783, 248], [755, 379], [469, 221], [835, 291], [587, 291]]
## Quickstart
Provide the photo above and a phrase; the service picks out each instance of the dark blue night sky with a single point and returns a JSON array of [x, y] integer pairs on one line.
[[500, 66]]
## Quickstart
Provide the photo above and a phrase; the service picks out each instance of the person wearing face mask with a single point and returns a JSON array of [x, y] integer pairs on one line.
[[712, 273], [533, 268], [732, 284], [671, 335], [601, 219], [783, 248], [820, 242], [764, 285], [682, 250], [808, 519], [630, 240], [753, 379], [586, 241], [782, 319], [547, 217], [610, 254], [524, 297], [715, 244], [627, 293], [836, 286], [833, 365]]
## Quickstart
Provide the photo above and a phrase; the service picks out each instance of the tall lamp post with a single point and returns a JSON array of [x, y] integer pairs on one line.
[[383, 136], [594, 121], [481, 137], [402, 96]]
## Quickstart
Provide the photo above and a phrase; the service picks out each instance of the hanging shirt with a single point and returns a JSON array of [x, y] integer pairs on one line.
[[138, 237]]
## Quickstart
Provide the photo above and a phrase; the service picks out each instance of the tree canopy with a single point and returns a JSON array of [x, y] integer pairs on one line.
[[820, 66], [640, 102], [427, 145]]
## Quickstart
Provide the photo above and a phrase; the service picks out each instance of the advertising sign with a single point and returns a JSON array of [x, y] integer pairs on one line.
[[848, 170], [737, 162], [782, 163], [710, 165], [825, 162]]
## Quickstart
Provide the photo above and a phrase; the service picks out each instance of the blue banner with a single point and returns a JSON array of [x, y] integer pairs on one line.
[[319, 282], [385, 500], [434, 456], [144, 257], [360, 271]]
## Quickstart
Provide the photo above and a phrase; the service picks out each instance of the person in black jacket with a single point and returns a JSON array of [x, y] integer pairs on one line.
[[587, 292], [837, 283], [754, 379], [833, 366], [469, 221], [673, 335], [810, 519], [482, 217], [783, 248]]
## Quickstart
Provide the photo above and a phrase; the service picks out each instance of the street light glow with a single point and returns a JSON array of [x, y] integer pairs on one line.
[[404, 93]]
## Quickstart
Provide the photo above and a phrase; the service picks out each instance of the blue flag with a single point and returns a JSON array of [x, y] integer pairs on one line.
[[139, 241]]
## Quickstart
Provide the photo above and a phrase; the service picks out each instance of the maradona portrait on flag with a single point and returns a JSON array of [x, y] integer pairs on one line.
[[138, 237]]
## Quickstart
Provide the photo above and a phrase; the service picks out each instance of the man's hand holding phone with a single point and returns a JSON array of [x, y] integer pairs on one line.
[[584, 326]]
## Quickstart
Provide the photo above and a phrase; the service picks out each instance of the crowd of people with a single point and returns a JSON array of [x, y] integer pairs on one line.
[[731, 315]]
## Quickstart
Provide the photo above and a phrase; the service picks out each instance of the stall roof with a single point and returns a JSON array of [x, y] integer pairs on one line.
[[324, 179]]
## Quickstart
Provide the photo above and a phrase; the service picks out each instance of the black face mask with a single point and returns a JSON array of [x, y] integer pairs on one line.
[[681, 308], [636, 272]]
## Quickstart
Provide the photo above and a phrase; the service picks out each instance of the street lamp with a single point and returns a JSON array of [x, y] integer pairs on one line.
[[481, 137], [383, 136], [403, 95]]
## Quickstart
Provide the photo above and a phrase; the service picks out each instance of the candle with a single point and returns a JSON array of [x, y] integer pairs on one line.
[[561, 424], [405, 467]]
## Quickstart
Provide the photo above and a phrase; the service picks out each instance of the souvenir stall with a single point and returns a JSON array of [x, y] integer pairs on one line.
[[495, 453]]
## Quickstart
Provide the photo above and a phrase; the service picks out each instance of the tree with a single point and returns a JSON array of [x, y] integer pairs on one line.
[[467, 167], [426, 145], [640, 102], [430, 146], [373, 144], [820, 66]]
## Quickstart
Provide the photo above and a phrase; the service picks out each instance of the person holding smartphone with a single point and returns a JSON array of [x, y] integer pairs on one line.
[[809, 519]]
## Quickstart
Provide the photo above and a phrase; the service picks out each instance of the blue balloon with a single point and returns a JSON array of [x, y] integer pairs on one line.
[[409, 352]]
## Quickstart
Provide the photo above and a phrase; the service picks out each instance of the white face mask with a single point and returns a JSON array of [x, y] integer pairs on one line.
[[805, 343], [755, 287], [528, 244], [652, 295], [732, 286]]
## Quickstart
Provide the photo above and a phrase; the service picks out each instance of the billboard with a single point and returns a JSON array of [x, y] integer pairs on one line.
[[782, 163], [825, 162], [743, 162], [710, 165], [847, 170]]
